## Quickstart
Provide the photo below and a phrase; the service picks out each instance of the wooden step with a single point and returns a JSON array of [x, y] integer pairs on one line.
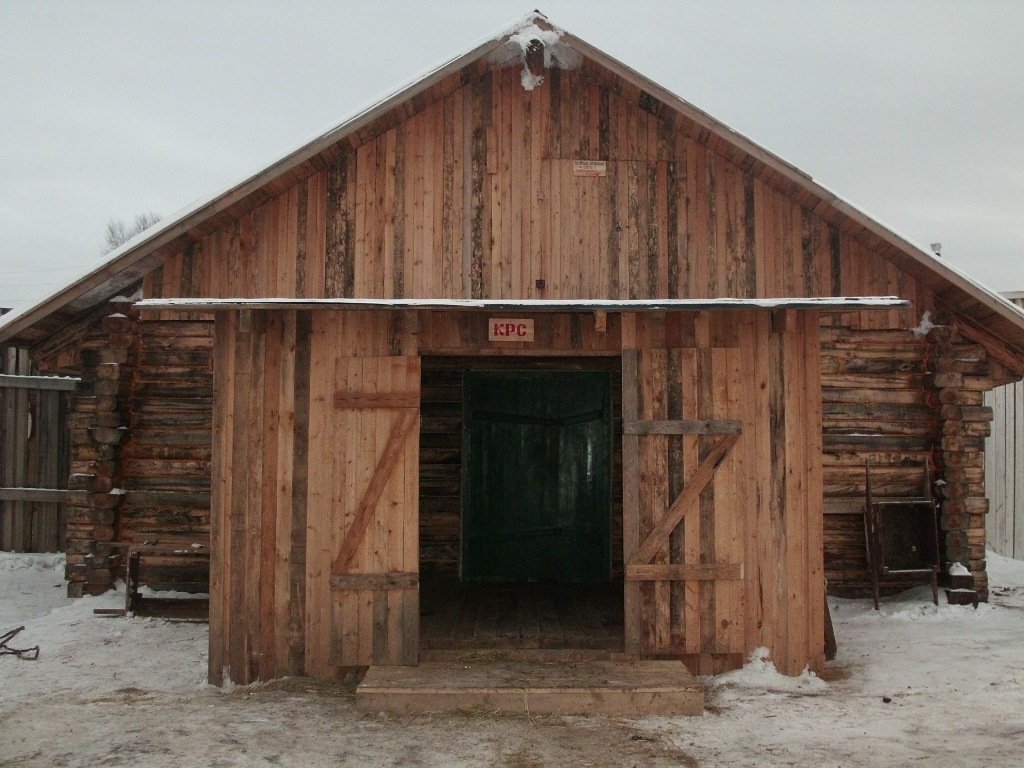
[[962, 597], [623, 688], [530, 655]]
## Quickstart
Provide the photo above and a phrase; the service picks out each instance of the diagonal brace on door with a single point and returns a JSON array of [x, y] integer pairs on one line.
[[399, 433], [658, 538]]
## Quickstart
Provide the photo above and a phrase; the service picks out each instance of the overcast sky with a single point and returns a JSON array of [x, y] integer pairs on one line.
[[913, 111]]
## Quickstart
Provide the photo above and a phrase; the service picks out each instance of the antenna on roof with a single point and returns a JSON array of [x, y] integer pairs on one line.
[[937, 249]]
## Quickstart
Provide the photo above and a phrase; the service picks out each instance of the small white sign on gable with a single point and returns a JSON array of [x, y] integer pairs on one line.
[[589, 168]]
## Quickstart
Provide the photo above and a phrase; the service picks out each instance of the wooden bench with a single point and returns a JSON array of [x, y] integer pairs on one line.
[[180, 569]]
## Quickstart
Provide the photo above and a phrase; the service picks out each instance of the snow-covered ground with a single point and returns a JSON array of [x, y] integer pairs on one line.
[[913, 685]]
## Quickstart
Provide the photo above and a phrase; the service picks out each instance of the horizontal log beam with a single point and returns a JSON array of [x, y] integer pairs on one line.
[[684, 572], [56, 495], [381, 400], [64, 383], [684, 427], [375, 580]]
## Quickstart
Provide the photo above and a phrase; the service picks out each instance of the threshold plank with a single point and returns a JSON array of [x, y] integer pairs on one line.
[[620, 688]]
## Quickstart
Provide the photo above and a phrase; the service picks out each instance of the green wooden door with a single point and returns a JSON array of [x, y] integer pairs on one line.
[[536, 476]]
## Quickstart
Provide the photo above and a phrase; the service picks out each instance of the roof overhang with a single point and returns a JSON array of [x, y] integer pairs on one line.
[[821, 304]]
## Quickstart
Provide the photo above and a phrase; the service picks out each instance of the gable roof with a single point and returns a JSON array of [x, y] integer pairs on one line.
[[987, 315]]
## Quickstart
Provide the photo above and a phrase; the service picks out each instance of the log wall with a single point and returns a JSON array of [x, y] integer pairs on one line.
[[167, 455], [99, 425], [876, 409], [960, 374]]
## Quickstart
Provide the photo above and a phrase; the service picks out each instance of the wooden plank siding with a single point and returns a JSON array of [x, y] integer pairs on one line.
[[1004, 468], [756, 527], [352, 567], [34, 455], [475, 195], [296, 499]]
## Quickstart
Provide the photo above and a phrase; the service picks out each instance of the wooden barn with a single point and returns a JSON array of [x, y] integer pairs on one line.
[[531, 355]]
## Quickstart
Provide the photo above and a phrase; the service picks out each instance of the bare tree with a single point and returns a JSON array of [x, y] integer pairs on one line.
[[118, 233]]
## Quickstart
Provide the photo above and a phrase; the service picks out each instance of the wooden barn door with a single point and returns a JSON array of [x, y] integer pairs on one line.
[[375, 569], [683, 537]]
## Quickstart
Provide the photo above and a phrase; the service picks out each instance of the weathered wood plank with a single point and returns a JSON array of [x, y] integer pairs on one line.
[[387, 581], [32, 494], [698, 481], [684, 427], [630, 485], [376, 400], [400, 430], [47, 383], [684, 572]]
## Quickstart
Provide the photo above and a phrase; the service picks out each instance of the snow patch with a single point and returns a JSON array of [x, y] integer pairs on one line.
[[133, 691], [556, 53], [1004, 571], [47, 562], [957, 569], [924, 326], [760, 672], [530, 80]]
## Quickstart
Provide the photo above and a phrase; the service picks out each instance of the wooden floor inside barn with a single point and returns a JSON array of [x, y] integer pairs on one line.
[[457, 616]]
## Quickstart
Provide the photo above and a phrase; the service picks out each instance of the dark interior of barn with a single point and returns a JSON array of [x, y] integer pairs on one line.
[[521, 506]]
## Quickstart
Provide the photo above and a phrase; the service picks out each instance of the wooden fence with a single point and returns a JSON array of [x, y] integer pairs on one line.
[[33, 455], [1004, 466]]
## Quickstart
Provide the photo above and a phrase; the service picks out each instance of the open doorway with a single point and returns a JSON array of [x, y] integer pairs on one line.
[[520, 505]]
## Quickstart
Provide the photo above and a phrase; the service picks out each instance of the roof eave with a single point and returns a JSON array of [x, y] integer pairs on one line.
[[822, 304]]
